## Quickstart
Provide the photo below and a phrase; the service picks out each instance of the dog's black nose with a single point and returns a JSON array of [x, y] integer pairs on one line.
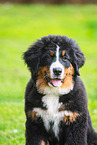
[[57, 71]]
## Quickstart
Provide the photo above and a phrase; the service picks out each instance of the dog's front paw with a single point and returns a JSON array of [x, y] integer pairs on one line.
[[44, 143]]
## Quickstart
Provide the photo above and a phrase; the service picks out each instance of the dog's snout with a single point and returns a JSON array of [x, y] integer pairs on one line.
[[57, 71]]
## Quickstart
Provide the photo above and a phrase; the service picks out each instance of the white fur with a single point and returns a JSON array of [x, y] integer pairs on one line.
[[57, 64], [56, 90], [51, 100], [52, 114], [57, 53]]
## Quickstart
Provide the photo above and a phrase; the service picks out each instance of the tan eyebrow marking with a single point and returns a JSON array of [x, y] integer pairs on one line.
[[63, 52], [51, 53]]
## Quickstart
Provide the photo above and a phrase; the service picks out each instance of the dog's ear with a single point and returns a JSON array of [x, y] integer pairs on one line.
[[32, 58], [79, 59], [77, 56]]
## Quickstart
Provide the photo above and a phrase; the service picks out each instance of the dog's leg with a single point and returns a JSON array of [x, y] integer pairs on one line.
[[36, 134], [76, 133]]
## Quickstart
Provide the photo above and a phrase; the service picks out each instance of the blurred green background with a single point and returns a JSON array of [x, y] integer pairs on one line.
[[20, 26]]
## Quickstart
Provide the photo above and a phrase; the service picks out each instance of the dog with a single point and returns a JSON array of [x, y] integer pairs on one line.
[[55, 97]]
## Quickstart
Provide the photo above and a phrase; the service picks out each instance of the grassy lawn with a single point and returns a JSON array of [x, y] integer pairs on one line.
[[20, 26]]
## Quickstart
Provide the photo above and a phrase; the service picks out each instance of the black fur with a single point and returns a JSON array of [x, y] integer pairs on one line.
[[79, 132]]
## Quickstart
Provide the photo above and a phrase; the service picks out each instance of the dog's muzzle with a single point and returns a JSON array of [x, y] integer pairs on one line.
[[55, 82]]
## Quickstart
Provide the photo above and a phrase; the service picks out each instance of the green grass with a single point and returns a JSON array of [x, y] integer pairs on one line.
[[20, 26]]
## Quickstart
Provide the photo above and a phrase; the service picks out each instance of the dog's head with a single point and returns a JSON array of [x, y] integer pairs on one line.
[[54, 61]]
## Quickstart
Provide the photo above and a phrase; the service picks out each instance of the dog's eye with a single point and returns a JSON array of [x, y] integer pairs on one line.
[[64, 59], [65, 56]]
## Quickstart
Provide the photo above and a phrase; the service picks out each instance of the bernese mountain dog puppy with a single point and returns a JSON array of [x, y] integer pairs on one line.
[[55, 98]]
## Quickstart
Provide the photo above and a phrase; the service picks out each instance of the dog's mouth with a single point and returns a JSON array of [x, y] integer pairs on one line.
[[56, 82]]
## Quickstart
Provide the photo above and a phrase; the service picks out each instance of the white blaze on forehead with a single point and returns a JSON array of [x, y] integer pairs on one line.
[[57, 64], [57, 53]]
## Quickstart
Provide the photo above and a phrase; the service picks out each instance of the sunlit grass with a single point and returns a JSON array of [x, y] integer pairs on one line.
[[20, 26]]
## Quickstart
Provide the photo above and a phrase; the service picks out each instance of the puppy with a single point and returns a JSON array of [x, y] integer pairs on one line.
[[55, 98]]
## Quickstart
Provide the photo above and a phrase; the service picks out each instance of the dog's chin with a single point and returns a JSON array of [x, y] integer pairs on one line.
[[54, 82]]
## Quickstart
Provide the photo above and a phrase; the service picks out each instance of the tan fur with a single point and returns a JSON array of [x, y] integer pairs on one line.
[[62, 108], [32, 114], [63, 52], [70, 70], [71, 118], [68, 81], [51, 53], [67, 119], [43, 143], [41, 81]]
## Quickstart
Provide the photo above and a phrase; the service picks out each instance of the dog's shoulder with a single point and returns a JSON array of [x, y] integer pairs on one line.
[[29, 87], [79, 85], [79, 91], [77, 98]]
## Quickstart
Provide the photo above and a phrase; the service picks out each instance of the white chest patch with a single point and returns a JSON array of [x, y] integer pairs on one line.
[[51, 114]]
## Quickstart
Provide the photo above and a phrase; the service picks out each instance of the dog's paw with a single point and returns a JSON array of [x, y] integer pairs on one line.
[[70, 117], [44, 143]]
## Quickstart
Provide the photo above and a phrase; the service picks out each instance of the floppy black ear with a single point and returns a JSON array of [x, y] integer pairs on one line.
[[32, 58], [77, 56], [79, 59]]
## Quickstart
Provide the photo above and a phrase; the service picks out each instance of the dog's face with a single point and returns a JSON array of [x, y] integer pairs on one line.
[[55, 71], [54, 62]]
